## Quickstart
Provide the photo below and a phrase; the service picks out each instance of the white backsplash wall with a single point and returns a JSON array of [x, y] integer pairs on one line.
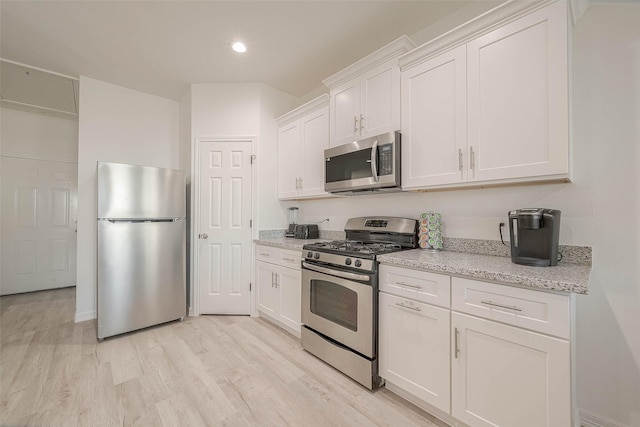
[[471, 214]]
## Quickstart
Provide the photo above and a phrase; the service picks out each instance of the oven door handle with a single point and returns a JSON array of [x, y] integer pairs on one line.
[[337, 273]]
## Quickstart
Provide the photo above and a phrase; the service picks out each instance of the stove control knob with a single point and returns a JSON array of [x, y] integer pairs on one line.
[[316, 255], [309, 254], [347, 261], [358, 263]]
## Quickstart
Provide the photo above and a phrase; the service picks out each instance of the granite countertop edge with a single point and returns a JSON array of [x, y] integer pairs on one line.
[[286, 242], [572, 278]]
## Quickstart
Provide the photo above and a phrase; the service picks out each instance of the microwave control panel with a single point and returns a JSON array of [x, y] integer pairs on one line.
[[385, 165]]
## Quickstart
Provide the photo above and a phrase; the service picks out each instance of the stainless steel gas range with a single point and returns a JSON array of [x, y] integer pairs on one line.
[[340, 294]]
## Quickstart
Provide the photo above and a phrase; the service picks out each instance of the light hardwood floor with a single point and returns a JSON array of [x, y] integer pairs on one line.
[[208, 370]]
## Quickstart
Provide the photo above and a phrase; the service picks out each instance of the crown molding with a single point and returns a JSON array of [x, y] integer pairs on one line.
[[304, 109], [485, 23], [396, 48]]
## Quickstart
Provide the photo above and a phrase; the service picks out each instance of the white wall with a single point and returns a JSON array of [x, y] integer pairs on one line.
[[116, 125], [185, 134], [247, 110], [601, 209], [38, 136], [272, 214], [607, 122]]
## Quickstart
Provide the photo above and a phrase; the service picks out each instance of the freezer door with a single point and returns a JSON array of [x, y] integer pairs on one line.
[[129, 191], [141, 275]]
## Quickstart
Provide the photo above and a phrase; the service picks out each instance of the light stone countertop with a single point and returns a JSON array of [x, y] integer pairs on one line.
[[286, 242], [563, 277]]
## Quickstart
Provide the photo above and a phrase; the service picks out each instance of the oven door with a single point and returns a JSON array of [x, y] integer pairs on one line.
[[340, 308]]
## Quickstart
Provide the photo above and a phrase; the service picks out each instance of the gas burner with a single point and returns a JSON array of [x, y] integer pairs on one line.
[[355, 247], [376, 248]]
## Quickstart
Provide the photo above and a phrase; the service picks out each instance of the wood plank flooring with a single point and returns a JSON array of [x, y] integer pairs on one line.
[[205, 371]]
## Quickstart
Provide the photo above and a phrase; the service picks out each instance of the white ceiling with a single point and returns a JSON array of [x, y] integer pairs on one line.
[[160, 47]]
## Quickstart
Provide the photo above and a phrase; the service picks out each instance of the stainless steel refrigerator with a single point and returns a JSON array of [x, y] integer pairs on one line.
[[141, 247]]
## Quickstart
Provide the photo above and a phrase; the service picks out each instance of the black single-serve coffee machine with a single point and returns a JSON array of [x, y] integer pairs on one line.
[[534, 236]]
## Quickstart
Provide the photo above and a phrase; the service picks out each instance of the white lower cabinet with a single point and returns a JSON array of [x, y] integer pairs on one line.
[[414, 348], [507, 376], [278, 279], [490, 355]]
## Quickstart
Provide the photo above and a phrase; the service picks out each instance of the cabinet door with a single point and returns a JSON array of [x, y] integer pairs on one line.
[[518, 98], [266, 285], [434, 121], [414, 348], [345, 113], [289, 155], [507, 376], [315, 139], [289, 287], [380, 101]]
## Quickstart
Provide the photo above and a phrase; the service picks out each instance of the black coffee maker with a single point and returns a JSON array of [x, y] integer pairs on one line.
[[534, 236]]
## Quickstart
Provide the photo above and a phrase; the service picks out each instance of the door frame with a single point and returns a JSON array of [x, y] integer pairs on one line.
[[194, 264]]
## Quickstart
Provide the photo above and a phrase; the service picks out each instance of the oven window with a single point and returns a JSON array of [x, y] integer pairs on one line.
[[346, 167], [335, 303]]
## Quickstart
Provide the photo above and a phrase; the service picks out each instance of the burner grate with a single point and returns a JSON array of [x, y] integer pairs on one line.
[[356, 246]]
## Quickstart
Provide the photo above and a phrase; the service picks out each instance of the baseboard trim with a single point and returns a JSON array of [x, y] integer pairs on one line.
[[87, 315], [591, 420], [191, 312]]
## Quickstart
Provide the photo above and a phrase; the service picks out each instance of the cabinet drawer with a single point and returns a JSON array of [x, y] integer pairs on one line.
[[419, 285], [289, 258], [283, 257], [535, 310], [266, 253]]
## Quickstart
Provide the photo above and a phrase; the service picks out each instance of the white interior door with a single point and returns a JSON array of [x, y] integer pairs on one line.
[[39, 211], [224, 231]]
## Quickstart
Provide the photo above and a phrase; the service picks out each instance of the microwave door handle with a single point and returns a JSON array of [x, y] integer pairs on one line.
[[374, 161]]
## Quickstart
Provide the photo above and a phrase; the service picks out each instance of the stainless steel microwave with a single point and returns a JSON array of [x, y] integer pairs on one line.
[[364, 166]]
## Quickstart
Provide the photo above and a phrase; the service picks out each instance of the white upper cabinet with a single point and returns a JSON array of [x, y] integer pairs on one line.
[[315, 139], [303, 135], [365, 97], [289, 165], [489, 105], [434, 121], [518, 98]]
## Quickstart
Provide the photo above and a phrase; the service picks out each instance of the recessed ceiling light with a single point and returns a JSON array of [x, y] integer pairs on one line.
[[239, 47]]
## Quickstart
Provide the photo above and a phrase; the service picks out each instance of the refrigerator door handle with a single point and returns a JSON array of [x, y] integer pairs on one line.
[[133, 221]]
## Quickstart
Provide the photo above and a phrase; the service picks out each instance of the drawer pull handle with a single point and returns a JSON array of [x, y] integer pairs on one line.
[[409, 285], [456, 340], [410, 307], [289, 259], [508, 307], [264, 254]]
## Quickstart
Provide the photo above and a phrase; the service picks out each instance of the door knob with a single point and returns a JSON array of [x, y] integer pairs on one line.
[[203, 236]]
